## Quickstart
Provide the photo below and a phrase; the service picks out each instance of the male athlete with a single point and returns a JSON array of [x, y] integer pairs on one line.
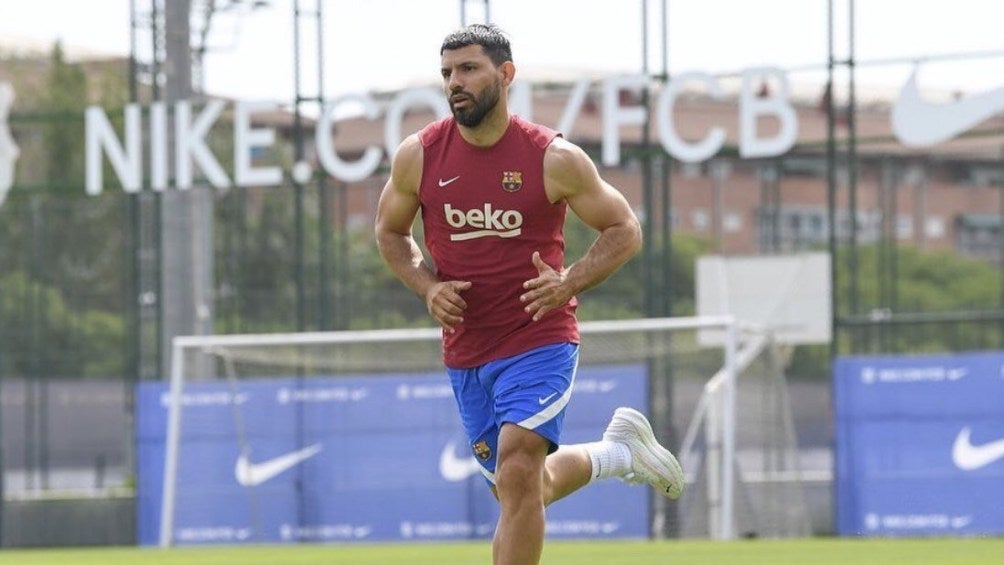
[[493, 189]]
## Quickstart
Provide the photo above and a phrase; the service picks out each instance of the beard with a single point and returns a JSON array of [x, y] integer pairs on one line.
[[473, 114]]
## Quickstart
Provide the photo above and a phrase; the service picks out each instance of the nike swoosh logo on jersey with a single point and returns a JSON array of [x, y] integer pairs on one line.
[[252, 474], [445, 182], [543, 400], [918, 122], [456, 469], [969, 457]]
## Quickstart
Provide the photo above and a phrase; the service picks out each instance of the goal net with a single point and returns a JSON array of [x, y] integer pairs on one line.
[[343, 436]]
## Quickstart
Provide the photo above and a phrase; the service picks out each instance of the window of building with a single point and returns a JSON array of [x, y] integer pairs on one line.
[[904, 227], [732, 223], [934, 227], [979, 236], [700, 219], [796, 228]]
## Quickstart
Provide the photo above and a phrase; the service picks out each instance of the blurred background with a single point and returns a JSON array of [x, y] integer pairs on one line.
[[202, 167]]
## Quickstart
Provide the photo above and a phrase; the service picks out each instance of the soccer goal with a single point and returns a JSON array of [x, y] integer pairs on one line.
[[353, 436]]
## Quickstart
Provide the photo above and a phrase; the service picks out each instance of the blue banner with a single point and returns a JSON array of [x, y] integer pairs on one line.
[[367, 458], [920, 444]]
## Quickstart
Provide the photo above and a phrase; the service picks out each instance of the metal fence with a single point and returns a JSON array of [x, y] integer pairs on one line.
[[82, 278]]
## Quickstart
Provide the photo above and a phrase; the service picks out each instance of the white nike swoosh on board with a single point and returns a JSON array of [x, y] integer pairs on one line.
[[969, 457], [917, 122], [456, 469], [252, 474], [448, 181]]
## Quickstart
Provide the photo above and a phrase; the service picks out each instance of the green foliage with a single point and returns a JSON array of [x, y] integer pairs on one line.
[[938, 281], [62, 258], [622, 295], [926, 283], [65, 96], [54, 339]]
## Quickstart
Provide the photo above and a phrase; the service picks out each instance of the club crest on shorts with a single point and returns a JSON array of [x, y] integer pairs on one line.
[[481, 450], [512, 180]]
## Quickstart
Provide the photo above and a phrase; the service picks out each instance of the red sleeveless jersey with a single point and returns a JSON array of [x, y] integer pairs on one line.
[[485, 212]]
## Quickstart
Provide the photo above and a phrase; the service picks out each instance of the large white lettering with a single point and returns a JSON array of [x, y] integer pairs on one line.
[[192, 151], [246, 139], [126, 161], [752, 107], [190, 145], [671, 141], [349, 172], [158, 146], [404, 101], [615, 115]]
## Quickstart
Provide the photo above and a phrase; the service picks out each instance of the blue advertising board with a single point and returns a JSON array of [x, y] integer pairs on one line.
[[920, 444], [367, 458]]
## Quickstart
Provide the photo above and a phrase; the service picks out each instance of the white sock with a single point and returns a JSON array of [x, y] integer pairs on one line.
[[610, 459]]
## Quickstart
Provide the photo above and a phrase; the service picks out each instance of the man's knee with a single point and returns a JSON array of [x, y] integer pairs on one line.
[[520, 467], [519, 471]]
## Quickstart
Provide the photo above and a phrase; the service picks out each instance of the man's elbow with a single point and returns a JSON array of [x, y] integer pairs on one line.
[[635, 238]]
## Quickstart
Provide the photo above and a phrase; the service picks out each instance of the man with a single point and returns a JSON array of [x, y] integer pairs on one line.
[[493, 189]]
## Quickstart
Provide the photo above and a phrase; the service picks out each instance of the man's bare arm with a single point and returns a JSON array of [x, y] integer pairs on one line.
[[570, 174], [396, 212]]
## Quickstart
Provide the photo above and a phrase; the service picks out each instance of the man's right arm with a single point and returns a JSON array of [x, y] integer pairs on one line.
[[396, 212]]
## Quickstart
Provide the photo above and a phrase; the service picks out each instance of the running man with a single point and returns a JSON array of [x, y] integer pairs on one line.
[[493, 190]]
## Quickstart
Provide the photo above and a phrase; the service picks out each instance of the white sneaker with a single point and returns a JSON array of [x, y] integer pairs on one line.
[[650, 462]]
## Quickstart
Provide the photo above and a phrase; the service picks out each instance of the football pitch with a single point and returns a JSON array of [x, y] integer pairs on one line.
[[812, 551]]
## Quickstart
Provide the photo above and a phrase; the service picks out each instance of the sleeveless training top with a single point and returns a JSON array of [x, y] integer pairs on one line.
[[485, 212]]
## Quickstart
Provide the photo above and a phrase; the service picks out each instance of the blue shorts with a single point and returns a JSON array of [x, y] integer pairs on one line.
[[530, 390]]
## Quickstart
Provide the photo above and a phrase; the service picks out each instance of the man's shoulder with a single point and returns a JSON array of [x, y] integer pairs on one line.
[[564, 153], [541, 135]]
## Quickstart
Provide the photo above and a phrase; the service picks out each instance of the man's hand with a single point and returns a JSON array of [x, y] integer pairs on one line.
[[545, 292], [445, 304]]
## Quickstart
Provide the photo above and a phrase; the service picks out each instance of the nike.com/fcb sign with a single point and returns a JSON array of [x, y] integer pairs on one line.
[[379, 458], [133, 157], [920, 444]]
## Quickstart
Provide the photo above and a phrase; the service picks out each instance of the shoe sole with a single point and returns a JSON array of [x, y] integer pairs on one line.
[[665, 464]]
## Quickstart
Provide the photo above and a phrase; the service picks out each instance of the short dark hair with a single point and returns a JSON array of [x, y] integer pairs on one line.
[[491, 39]]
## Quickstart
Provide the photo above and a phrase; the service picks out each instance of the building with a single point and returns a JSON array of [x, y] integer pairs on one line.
[[938, 198]]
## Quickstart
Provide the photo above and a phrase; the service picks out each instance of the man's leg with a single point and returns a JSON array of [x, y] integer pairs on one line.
[[628, 450], [519, 485], [648, 461], [527, 479], [566, 471]]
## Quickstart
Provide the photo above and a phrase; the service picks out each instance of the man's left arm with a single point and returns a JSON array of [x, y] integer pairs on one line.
[[571, 175]]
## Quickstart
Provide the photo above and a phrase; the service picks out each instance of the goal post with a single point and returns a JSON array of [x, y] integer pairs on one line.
[[660, 364]]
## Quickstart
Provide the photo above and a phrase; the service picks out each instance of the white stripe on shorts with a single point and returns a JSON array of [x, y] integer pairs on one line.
[[552, 410]]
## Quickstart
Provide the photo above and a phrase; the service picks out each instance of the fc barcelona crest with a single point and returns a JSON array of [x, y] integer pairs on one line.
[[512, 180], [482, 451]]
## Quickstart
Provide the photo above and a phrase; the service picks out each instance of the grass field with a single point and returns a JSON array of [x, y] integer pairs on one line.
[[981, 551]]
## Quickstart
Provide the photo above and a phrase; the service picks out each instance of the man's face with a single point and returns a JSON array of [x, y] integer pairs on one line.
[[473, 84]]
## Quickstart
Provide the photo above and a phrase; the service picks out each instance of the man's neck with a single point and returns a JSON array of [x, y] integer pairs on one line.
[[490, 130]]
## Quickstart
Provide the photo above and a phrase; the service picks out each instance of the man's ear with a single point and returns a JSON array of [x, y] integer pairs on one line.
[[508, 71]]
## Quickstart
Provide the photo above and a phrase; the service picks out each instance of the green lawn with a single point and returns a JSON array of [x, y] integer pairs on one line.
[[979, 551]]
